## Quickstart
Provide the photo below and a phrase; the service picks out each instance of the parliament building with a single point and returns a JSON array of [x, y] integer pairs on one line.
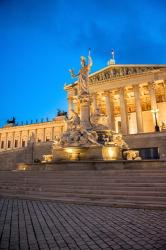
[[129, 99]]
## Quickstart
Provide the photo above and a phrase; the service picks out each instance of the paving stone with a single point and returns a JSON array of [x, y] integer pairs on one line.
[[41, 225]]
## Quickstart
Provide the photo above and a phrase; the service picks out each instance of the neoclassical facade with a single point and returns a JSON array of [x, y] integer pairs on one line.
[[13, 137], [130, 99]]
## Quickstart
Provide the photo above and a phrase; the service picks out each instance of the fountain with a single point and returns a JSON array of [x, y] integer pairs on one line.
[[81, 139]]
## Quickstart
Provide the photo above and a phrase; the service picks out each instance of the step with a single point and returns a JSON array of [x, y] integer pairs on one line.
[[76, 172], [158, 187], [89, 172], [88, 196], [87, 185], [135, 193], [118, 188], [75, 200], [82, 178], [87, 182]]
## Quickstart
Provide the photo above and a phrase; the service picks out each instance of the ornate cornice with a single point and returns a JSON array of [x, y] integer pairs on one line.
[[116, 72], [121, 71]]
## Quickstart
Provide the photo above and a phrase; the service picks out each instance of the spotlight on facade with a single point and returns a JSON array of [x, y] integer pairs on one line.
[[154, 112]]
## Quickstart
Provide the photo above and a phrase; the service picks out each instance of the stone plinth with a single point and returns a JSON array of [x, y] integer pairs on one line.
[[85, 112], [111, 153]]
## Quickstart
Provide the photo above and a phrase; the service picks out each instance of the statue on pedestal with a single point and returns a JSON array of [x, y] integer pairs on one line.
[[83, 75], [83, 91], [82, 140]]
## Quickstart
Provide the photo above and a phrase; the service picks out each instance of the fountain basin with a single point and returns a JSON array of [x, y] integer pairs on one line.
[[76, 153], [111, 153]]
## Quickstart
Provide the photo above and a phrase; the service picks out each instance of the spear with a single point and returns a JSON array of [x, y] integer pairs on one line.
[[89, 52]]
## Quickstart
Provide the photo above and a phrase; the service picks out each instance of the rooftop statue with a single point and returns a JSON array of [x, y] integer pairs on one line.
[[13, 120], [83, 75]]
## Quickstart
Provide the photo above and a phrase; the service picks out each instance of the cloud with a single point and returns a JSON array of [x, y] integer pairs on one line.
[[132, 30]]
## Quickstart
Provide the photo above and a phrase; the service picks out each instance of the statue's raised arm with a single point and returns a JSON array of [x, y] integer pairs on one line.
[[90, 62], [72, 73]]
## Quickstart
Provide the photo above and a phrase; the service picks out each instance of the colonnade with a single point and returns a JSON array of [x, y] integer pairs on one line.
[[15, 137], [109, 107]]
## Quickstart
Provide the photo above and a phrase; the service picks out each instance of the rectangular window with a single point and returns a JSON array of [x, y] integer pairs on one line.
[[23, 144], [9, 144], [2, 144], [16, 144]]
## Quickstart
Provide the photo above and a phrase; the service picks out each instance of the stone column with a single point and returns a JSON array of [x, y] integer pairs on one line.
[[123, 112], [164, 86], [28, 135], [70, 106], [13, 141], [152, 96], [6, 143], [94, 102], [52, 133], [44, 134], [110, 110], [153, 101], [20, 144], [138, 109], [0, 141]]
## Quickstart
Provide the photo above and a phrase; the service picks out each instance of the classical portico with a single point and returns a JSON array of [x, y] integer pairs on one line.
[[126, 95]]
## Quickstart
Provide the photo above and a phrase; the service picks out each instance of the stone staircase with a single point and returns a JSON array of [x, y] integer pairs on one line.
[[144, 188]]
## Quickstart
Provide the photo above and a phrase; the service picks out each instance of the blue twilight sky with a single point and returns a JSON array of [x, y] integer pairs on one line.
[[40, 40]]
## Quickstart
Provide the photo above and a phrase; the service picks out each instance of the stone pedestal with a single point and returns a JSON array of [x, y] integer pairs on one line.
[[111, 153], [85, 112]]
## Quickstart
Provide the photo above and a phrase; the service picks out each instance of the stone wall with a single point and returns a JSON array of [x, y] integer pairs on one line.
[[42, 149], [148, 140], [9, 159]]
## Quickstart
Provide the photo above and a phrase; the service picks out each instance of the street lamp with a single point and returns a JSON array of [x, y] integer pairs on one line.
[[155, 111]]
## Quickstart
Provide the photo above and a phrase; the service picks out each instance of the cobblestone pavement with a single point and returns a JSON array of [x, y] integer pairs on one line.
[[26, 224]]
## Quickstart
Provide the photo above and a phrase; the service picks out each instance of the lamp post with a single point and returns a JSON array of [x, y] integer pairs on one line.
[[155, 111]]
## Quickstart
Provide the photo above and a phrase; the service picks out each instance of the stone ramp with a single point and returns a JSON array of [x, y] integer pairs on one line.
[[142, 188]]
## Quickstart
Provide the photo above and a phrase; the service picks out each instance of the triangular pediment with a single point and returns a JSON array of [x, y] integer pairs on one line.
[[116, 71]]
